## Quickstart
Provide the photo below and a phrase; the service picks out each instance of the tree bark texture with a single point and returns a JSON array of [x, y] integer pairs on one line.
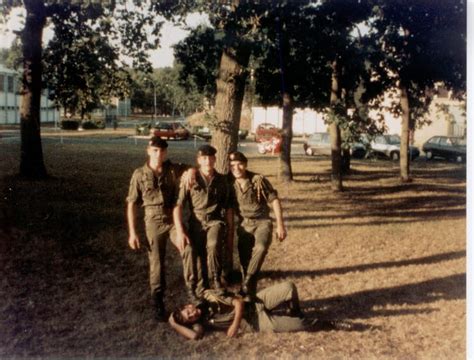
[[229, 97], [405, 136], [285, 171], [346, 161], [31, 159], [335, 133]]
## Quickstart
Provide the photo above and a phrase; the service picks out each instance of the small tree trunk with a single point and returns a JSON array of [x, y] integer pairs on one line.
[[31, 159], [335, 133], [285, 172], [405, 136], [346, 161], [230, 94]]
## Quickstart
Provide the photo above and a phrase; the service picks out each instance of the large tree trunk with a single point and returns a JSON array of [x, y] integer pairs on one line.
[[31, 160], [405, 136], [335, 133], [285, 172], [229, 97]]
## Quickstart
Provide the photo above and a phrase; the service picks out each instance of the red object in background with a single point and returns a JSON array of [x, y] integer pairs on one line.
[[266, 132], [272, 146]]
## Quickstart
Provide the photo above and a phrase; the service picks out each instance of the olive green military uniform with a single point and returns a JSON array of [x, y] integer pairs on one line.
[[157, 194], [218, 311], [254, 231], [208, 203]]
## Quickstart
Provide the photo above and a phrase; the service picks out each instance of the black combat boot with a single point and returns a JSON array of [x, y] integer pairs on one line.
[[249, 286], [294, 309], [159, 307]]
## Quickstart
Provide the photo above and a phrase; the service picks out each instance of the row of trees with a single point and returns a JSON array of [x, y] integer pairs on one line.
[[331, 55], [338, 57]]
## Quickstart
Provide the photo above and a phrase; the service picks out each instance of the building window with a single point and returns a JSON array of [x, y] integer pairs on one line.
[[10, 83], [2, 79]]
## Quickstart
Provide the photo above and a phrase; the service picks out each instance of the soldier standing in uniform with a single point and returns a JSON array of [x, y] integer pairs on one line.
[[154, 186], [208, 199], [251, 194]]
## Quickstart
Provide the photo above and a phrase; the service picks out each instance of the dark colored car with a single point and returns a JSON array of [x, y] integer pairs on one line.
[[320, 144], [266, 131], [389, 146], [205, 133], [171, 130], [447, 147]]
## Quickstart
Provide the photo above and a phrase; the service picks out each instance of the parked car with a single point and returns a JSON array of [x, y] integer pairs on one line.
[[171, 130], [447, 147], [266, 131], [389, 146], [243, 134], [320, 144], [205, 133], [202, 132]]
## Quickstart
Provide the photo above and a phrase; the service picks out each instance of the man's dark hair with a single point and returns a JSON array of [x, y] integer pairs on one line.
[[178, 317]]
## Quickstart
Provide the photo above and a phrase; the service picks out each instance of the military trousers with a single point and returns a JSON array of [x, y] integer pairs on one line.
[[158, 233], [254, 239], [206, 244], [270, 298]]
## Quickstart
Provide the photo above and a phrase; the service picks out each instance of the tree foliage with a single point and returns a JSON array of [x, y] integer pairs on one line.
[[91, 20], [419, 44]]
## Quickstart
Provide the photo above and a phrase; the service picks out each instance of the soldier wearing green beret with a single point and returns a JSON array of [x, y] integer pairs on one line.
[[155, 186], [208, 200], [250, 195]]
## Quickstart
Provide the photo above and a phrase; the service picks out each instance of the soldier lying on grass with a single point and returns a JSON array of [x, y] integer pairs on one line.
[[232, 314]]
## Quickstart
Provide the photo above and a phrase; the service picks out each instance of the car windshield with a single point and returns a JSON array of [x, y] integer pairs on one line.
[[393, 139], [458, 141]]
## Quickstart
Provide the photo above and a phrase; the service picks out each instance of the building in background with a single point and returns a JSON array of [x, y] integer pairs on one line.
[[447, 117], [10, 100]]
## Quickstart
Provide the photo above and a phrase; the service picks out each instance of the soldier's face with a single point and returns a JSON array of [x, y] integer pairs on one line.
[[238, 169], [157, 155], [191, 313], [206, 162]]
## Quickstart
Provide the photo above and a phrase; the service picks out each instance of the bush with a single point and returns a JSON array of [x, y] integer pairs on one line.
[[93, 124], [69, 124]]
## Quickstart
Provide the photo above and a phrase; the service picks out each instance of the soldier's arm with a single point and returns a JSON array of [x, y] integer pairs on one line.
[[133, 240], [192, 334], [239, 313], [281, 230], [182, 239]]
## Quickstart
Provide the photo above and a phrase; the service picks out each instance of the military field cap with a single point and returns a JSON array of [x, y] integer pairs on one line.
[[238, 156], [207, 150], [156, 141]]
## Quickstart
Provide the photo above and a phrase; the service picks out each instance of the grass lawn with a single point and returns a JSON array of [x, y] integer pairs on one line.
[[386, 259]]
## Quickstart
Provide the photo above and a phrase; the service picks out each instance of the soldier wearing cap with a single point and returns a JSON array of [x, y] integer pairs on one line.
[[155, 186], [208, 199], [250, 195]]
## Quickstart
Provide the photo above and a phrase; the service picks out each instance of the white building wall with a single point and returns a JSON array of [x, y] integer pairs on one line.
[[10, 100], [305, 121]]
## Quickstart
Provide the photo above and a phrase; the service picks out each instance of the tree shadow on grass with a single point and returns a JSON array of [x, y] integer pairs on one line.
[[282, 274], [371, 303]]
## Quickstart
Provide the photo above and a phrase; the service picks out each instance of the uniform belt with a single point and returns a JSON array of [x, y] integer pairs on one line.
[[209, 217]]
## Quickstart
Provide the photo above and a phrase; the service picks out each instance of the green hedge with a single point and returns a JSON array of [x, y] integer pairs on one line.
[[69, 124]]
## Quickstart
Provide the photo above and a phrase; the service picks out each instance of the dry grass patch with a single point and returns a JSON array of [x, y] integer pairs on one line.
[[386, 259]]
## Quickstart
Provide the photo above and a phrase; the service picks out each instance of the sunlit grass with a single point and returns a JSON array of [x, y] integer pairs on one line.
[[385, 258]]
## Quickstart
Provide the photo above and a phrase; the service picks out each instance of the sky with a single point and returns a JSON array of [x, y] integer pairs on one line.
[[160, 57]]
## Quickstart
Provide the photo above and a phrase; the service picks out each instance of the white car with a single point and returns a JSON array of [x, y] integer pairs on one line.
[[389, 146]]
